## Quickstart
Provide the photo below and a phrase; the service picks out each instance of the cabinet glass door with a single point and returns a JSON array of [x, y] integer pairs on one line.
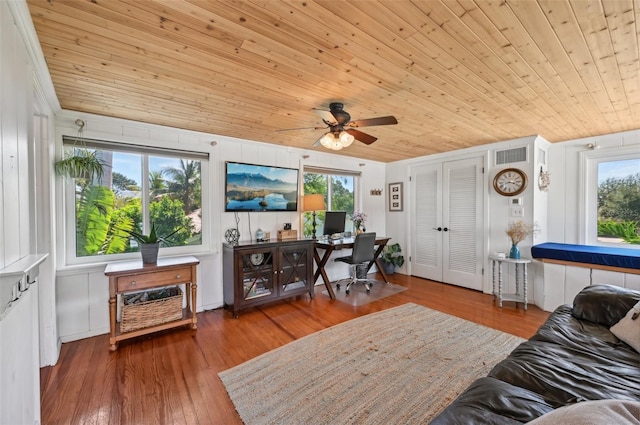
[[258, 275], [293, 274]]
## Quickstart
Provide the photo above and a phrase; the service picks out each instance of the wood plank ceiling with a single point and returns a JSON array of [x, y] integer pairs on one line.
[[454, 73]]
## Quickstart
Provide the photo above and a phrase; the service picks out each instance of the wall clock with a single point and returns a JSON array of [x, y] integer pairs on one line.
[[257, 258], [510, 182]]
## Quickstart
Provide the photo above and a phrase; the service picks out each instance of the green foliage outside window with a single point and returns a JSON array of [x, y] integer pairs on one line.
[[619, 208], [341, 198]]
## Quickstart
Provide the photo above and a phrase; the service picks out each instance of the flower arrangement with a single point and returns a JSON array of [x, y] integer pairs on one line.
[[519, 230], [358, 219]]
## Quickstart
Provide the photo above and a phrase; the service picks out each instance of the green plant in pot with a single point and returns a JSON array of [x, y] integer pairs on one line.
[[150, 244], [83, 163], [391, 258], [79, 161]]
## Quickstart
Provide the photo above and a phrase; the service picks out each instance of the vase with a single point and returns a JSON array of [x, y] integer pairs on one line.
[[515, 252]]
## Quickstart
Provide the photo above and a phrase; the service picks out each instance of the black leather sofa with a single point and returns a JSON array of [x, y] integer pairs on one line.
[[573, 357]]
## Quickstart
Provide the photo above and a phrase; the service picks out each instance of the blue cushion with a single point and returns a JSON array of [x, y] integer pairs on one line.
[[590, 254]]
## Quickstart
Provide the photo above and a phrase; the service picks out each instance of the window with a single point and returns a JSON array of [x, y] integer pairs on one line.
[[612, 198], [141, 186], [339, 190]]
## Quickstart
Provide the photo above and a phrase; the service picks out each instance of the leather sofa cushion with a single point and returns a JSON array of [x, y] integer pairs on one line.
[[604, 304], [490, 401], [569, 360]]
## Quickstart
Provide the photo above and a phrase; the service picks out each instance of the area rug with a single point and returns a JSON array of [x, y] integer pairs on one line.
[[359, 295], [401, 365]]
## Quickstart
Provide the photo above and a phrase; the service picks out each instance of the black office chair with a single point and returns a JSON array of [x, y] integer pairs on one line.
[[363, 253]]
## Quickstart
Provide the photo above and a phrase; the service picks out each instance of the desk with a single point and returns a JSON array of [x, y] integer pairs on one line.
[[329, 247], [518, 296], [129, 276]]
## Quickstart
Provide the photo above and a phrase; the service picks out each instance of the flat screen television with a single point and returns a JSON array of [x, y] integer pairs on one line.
[[334, 222], [251, 187]]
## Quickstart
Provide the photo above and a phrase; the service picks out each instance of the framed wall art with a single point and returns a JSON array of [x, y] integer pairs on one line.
[[395, 196]]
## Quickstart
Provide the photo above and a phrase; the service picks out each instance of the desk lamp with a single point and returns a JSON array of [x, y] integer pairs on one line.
[[313, 203]]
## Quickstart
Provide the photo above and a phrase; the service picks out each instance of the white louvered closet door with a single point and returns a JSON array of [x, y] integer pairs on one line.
[[426, 216], [447, 222], [463, 218]]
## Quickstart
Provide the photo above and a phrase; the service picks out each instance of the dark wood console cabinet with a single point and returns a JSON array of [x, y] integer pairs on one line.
[[256, 273]]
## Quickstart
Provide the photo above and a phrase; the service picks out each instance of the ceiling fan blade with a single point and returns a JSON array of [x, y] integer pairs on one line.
[[326, 116], [301, 128], [363, 137], [374, 121]]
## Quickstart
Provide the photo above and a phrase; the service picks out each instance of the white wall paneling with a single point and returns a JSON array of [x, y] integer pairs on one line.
[[632, 281], [19, 328], [576, 278], [19, 363]]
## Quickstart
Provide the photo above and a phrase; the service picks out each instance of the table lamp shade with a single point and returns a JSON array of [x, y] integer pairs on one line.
[[313, 202]]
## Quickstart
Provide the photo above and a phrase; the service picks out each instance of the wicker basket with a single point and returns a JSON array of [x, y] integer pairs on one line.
[[142, 314]]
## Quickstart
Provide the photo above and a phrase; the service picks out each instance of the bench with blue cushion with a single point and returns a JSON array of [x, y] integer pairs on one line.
[[625, 260]]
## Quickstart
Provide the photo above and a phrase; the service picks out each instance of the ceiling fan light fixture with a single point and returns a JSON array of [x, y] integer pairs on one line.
[[346, 139], [329, 141]]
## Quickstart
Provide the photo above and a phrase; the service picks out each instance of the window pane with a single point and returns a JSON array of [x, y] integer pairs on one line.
[[175, 196], [339, 194], [619, 201], [105, 206], [314, 183], [342, 195]]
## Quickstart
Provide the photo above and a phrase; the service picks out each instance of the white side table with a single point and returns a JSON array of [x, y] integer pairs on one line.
[[521, 270]]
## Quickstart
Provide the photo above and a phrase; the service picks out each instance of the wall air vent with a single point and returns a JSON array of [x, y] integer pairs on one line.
[[508, 156]]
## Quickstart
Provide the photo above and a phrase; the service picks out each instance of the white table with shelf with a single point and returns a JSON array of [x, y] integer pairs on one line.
[[520, 296]]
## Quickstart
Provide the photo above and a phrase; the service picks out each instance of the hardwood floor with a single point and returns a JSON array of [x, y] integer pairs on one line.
[[171, 378]]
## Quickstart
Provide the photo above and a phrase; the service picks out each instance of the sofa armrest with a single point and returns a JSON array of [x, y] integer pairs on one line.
[[604, 304]]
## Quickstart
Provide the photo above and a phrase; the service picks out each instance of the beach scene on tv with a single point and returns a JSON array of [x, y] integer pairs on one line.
[[261, 188]]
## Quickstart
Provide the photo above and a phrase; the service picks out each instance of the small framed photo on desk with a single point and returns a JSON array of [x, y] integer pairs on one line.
[[395, 196]]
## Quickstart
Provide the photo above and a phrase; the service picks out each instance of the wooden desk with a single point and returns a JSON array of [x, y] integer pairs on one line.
[[130, 276], [329, 247]]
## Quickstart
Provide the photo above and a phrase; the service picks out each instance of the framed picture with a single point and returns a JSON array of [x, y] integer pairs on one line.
[[395, 196]]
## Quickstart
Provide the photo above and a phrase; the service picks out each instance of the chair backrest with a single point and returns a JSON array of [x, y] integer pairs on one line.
[[363, 247]]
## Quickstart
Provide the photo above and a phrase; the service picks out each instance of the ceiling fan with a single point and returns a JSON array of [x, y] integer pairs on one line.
[[342, 131]]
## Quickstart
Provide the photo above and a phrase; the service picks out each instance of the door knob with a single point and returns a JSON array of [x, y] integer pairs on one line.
[[439, 229], [446, 229]]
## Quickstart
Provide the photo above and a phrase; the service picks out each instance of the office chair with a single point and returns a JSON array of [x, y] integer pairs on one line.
[[363, 252]]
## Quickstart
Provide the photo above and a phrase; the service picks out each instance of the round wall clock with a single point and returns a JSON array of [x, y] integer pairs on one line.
[[510, 182], [257, 258]]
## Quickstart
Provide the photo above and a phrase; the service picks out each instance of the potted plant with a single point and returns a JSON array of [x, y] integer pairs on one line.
[[391, 258], [150, 244], [82, 163]]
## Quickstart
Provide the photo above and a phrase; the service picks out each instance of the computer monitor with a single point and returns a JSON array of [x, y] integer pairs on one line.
[[334, 222]]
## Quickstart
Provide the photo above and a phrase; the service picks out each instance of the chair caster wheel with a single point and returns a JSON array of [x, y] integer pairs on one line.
[[348, 291], [337, 286]]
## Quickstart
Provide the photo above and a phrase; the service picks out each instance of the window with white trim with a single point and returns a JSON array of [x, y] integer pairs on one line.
[[339, 188], [141, 187], [612, 197]]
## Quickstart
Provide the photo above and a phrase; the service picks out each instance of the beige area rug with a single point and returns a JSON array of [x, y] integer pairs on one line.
[[398, 366], [358, 294]]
